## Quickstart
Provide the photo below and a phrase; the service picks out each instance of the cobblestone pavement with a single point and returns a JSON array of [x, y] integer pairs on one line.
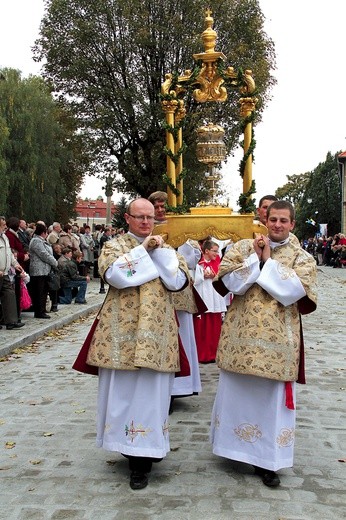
[[50, 468], [35, 328]]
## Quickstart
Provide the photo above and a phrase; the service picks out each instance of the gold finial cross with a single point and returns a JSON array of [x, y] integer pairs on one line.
[[208, 12]]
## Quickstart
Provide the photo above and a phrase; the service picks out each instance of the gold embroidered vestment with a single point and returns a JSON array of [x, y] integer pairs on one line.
[[260, 336], [137, 325]]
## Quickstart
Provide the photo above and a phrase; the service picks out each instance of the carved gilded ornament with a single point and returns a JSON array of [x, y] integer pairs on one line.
[[197, 225], [250, 86], [170, 106], [180, 113], [210, 85], [247, 105]]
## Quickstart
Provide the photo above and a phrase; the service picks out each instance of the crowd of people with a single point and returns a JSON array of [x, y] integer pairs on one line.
[[328, 251], [43, 267]]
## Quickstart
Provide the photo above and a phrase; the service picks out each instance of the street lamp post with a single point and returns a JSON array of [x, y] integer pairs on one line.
[[109, 193]]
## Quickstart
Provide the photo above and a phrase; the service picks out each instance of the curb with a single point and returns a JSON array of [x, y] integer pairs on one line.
[[25, 340]]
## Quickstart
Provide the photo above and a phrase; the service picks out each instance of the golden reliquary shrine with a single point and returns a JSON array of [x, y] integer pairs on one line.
[[208, 84]]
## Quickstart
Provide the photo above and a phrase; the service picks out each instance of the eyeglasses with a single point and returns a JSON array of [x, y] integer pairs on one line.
[[141, 218]]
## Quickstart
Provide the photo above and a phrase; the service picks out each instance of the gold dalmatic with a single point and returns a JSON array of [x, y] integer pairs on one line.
[[137, 325], [260, 336]]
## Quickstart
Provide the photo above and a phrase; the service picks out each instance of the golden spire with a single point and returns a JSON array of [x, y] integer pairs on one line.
[[209, 35]]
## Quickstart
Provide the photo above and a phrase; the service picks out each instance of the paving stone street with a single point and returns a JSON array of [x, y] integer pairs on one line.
[[50, 468]]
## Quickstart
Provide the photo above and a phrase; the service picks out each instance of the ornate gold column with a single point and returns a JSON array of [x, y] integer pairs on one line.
[[247, 106], [170, 107], [179, 116]]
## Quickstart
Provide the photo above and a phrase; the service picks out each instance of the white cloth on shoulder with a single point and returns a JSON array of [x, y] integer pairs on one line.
[[285, 289], [140, 266]]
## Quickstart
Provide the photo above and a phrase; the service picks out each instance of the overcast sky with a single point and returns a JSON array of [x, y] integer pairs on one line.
[[307, 114]]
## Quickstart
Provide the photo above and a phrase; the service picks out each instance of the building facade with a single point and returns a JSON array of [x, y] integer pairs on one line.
[[92, 212]]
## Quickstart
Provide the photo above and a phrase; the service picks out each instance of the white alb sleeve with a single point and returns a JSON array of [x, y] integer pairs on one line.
[[167, 264], [132, 269], [282, 283], [199, 275], [240, 280], [191, 254]]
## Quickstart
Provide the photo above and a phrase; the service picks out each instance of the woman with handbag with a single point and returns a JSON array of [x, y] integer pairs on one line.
[[42, 262]]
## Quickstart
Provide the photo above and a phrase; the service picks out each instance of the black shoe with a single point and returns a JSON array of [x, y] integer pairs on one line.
[[81, 303], [11, 326], [43, 316], [102, 291], [138, 480], [54, 308], [269, 478]]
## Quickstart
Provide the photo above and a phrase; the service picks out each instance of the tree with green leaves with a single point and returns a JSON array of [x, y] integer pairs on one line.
[[3, 177], [118, 220], [316, 196], [322, 198], [108, 60], [294, 189], [42, 159]]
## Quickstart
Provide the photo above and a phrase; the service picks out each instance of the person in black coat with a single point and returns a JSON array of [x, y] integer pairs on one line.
[[104, 238], [70, 277]]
